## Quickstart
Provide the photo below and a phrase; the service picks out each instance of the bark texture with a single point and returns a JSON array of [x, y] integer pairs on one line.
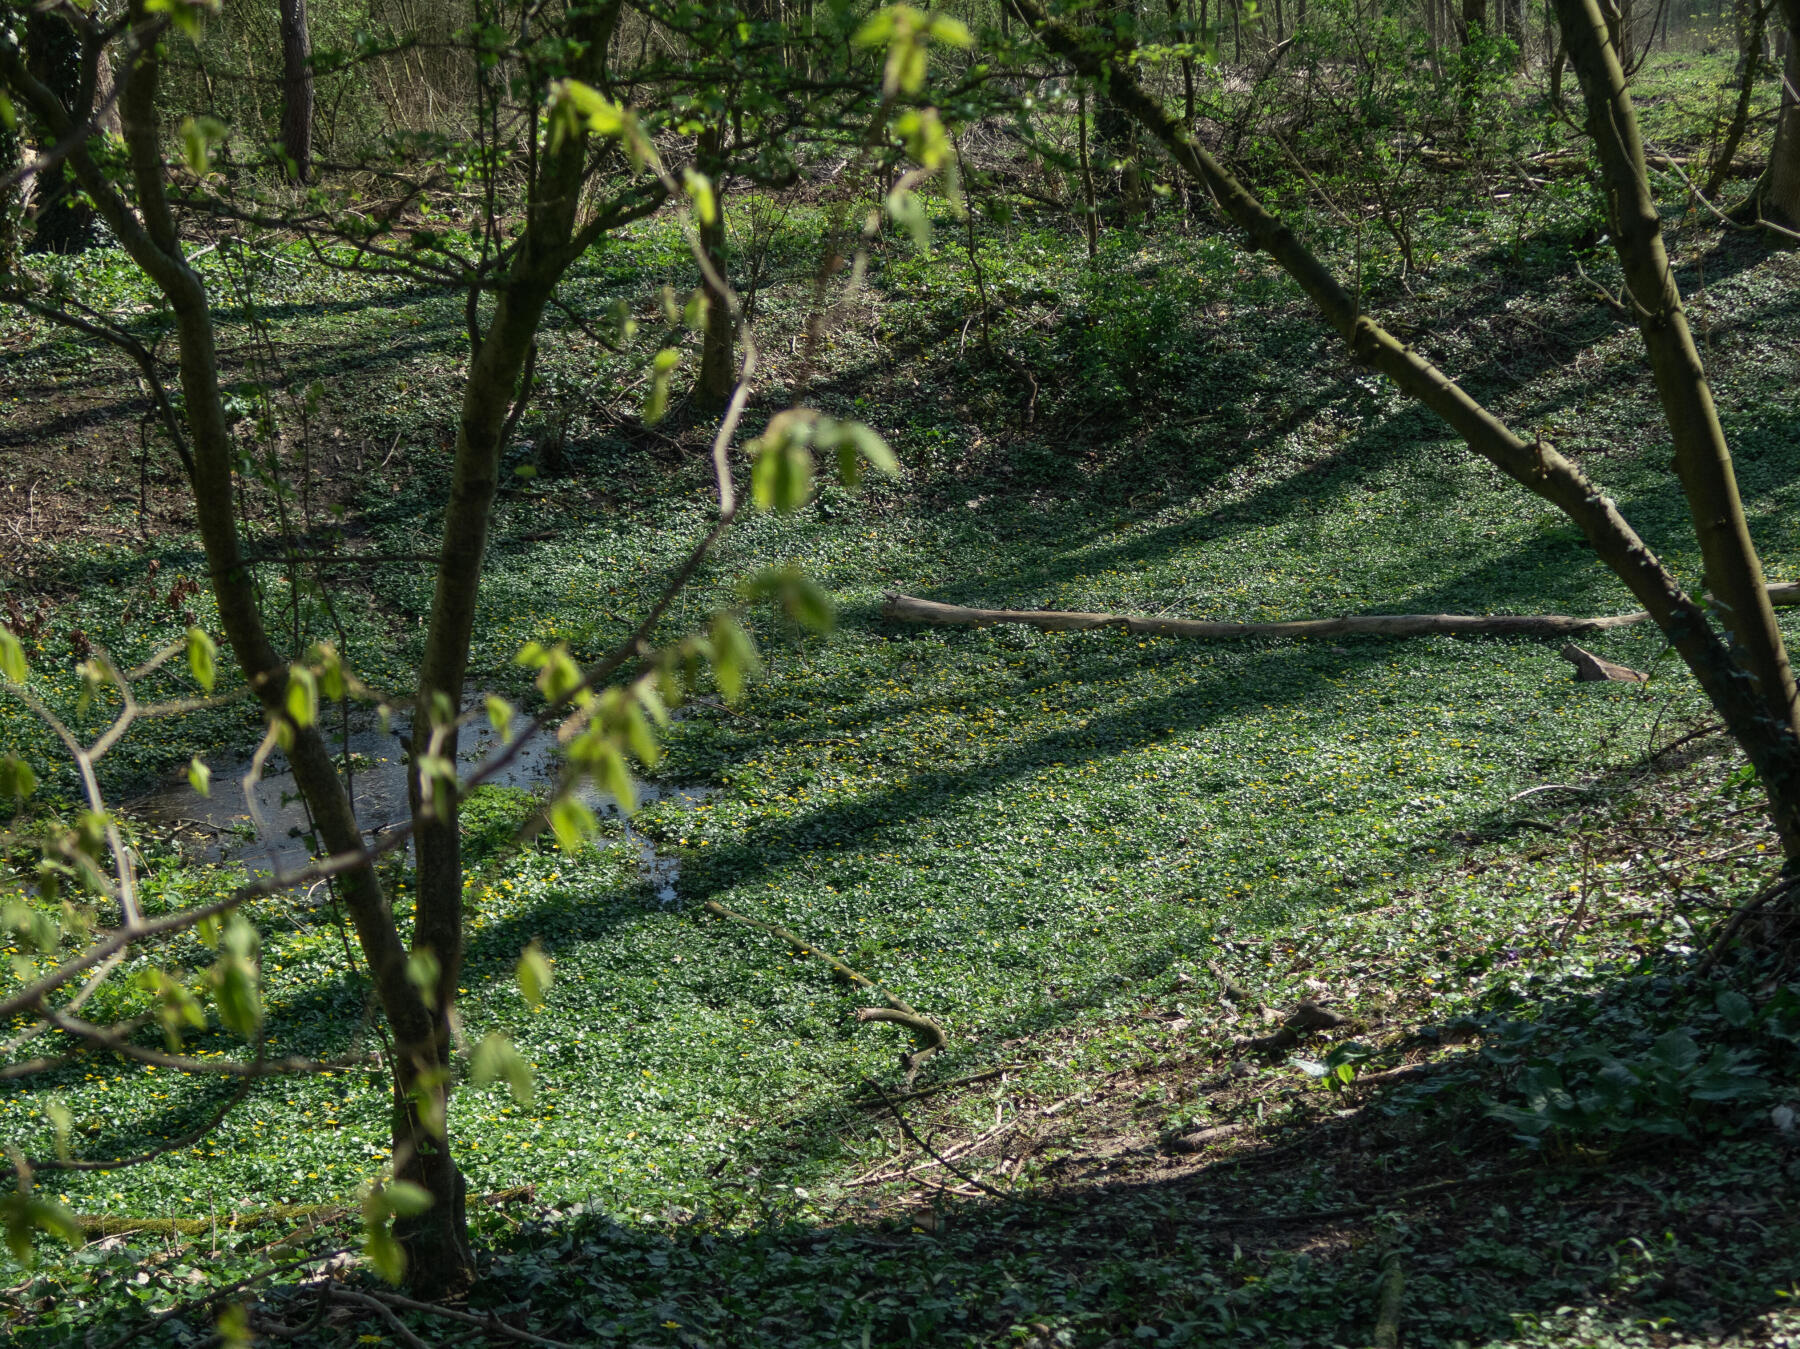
[[1702, 459], [296, 89], [1781, 187], [1749, 67], [718, 344], [62, 222], [439, 1260]]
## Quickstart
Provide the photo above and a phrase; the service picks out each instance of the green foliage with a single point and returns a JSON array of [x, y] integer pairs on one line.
[[1590, 1091], [12, 658]]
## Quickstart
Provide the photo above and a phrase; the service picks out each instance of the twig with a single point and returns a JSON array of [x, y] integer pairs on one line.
[[1782, 887], [385, 1312], [936, 1087], [490, 1323], [923, 1146]]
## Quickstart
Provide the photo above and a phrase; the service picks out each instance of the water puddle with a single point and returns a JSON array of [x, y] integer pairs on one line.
[[220, 827]]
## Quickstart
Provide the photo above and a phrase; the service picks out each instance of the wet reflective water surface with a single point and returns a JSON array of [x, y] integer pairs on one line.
[[224, 826]]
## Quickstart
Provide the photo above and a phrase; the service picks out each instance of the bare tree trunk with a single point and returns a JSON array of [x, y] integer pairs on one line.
[[296, 90], [436, 1242], [1090, 216], [1702, 459], [62, 223], [1187, 62], [1749, 66], [10, 208], [494, 391], [1781, 187], [718, 356]]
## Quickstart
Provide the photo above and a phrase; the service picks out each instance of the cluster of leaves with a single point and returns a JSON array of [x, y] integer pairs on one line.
[[1675, 1085]]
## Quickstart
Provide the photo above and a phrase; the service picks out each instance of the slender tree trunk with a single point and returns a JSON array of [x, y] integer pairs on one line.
[[1749, 66], [1781, 184], [1090, 215], [296, 90], [62, 223], [1749, 703], [718, 354], [495, 389], [10, 210], [1702, 459], [1187, 62]]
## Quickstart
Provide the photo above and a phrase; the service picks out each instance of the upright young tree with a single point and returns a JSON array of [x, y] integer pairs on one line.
[[296, 89], [1780, 188], [1744, 668], [560, 163], [62, 221]]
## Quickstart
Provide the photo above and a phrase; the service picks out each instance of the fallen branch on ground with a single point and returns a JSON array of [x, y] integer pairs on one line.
[[1387, 1314], [909, 609], [897, 1009]]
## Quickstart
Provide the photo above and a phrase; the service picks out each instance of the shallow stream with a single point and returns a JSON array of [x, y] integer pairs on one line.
[[221, 827]]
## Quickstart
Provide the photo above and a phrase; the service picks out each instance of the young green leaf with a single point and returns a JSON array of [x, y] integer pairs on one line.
[[500, 716], [382, 1251], [16, 778], [233, 1326], [61, 1120], [199, 777], [422, 972], [781, 480], [12, 658], [495, 1059], [405, 1199], [700, 191], [198, 136], [733, 656], [202, 657], [534, 973], [234, 979], [302, 696], [572, 822]]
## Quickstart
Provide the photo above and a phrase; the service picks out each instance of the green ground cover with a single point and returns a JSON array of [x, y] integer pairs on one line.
[[1035, 838]]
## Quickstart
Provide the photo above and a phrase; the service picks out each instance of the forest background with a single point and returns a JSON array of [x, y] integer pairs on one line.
[[1294, 990]]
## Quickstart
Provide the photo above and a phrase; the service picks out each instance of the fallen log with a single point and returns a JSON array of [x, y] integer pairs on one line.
[[910, 609]]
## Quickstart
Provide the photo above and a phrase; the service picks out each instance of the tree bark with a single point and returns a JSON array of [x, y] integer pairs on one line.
[[149, 236], [1781, 188], [439, 1260], [1770, 743], [718, 343], [493, 391], [1090, 212], [1702, 458], [296, 90], [1749, 66], [908, 609], [62, 222]]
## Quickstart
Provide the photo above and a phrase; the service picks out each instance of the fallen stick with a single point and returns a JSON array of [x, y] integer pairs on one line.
[[897, 1009], [910, 609], [1387, 1311]]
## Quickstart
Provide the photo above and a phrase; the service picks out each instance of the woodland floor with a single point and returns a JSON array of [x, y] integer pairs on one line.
[[1061, 845]]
